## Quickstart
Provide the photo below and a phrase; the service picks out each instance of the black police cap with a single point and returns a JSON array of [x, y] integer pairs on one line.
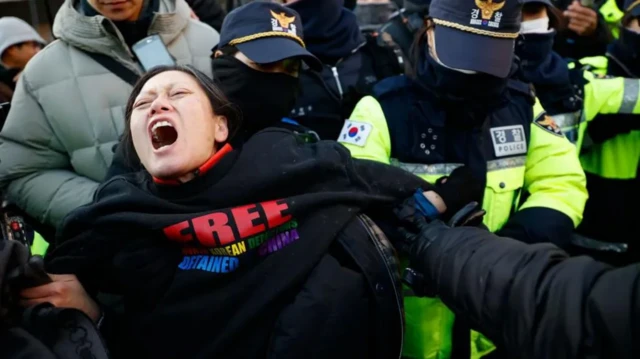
[[266, 32], [476, 35]]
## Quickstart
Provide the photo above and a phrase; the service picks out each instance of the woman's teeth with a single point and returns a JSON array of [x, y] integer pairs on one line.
[[160, 124]]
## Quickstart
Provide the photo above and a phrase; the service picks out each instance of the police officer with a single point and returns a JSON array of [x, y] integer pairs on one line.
[[573, 97], [462, 109], [558, 89], [611, 149]]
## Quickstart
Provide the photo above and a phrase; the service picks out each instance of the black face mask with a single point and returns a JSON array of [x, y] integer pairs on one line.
[[478, 91], [547, 71], [533, 49], [263, 98], [539, 65]]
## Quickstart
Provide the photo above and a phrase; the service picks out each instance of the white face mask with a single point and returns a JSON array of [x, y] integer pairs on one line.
[[537, 26]]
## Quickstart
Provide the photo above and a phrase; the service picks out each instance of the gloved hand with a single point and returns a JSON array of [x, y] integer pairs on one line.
[[418, 230], [458, 189], [421, 234]]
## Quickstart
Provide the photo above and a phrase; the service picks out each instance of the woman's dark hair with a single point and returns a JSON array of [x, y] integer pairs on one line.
[[219, 103], [419, 41]]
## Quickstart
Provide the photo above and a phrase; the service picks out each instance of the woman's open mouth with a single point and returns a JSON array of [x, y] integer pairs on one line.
[[163, 134]]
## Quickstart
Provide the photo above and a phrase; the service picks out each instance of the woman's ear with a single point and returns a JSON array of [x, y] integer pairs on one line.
[[222, 129]]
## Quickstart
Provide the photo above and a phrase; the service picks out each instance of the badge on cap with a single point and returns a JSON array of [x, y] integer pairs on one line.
[[509, 140], [355, 133], [487, 13], [283, 23], [547, 123]]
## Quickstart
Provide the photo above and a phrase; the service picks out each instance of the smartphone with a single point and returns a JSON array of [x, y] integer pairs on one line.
[[152, 52]]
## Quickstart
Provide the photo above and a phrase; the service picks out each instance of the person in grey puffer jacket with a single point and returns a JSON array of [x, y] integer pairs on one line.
[[67, 112]]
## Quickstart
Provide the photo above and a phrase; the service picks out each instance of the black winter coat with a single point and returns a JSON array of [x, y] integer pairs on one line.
[[534, 301]]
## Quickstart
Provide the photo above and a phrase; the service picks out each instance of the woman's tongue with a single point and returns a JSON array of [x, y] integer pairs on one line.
[[164, 136]]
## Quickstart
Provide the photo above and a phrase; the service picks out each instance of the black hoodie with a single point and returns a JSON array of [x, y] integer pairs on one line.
[[207, 266]]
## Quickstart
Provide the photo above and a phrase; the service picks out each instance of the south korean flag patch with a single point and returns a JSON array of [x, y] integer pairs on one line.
[[355, 133]]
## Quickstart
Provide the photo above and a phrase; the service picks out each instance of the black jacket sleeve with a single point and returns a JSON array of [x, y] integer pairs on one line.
[[539, 225], [533, 300]]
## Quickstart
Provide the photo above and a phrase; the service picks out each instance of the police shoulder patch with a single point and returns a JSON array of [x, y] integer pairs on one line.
[[547, 123], [355, 133]]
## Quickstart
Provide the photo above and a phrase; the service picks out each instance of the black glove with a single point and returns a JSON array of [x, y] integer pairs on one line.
[[418, 233], [458, 189], [421, 234]]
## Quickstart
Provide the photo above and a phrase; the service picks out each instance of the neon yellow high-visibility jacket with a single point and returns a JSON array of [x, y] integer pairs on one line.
[[609, 99], [602, 95], [612, 16], [39, 245], [533, 177], [611, 149]]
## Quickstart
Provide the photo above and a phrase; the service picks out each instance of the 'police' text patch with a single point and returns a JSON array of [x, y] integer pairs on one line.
[[509, 140], [355, 133]]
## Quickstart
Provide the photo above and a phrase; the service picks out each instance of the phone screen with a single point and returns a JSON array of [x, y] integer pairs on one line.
[[151, 52]]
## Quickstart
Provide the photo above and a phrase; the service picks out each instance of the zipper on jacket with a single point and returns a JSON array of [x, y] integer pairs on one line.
[[366, 223], [337, 77]]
